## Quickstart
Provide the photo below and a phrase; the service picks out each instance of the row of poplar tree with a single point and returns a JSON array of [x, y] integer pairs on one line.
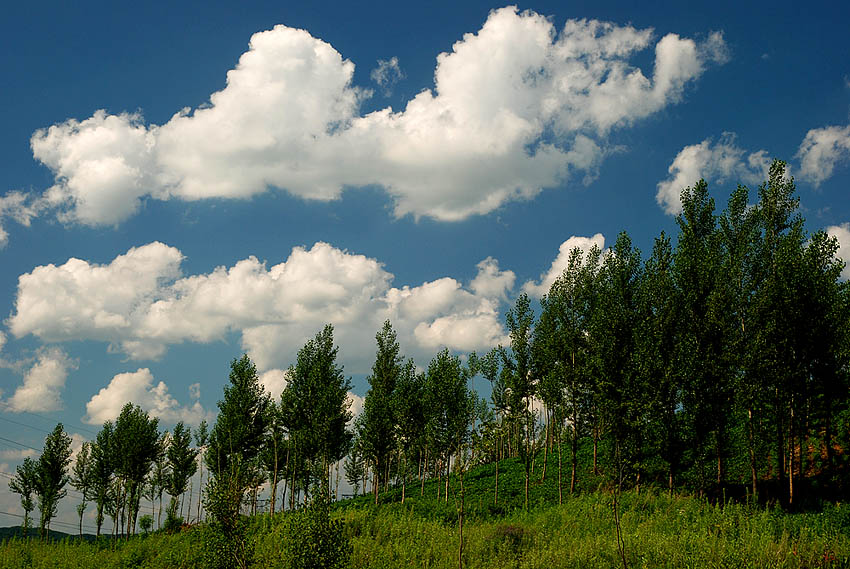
[[720, 362], [128, 460]]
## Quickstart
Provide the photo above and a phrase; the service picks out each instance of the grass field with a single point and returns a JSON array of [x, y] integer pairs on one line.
[[658, 531]]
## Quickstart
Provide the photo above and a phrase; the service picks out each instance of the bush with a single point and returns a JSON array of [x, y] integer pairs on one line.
[[311, 540]]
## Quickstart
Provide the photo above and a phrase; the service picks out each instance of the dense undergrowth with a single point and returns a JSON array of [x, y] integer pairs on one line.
[[659, 531]]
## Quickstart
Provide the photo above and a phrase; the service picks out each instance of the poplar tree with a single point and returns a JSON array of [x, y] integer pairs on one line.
[[24, 483], [82, 479], [316, 406], [450, 405], [103, 468], [519, 381], [135, 447], [378, 431], [181, 461], [237, 437], [52, 475]]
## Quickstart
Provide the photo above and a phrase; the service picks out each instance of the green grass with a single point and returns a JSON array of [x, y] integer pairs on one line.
[[659, 531]]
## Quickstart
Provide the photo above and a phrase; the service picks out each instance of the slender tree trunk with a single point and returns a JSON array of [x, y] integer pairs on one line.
[[498, 458], [560, 484], [424, 472], [791, 456], [375, 482], [574, 459], [448, 471], [546, 446], [460, 525], [595, 448], [751, 443]]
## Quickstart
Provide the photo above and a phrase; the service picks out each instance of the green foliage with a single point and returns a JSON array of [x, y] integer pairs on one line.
[[238, 434], [146, 523], [24, 483], [181, 460], [52, 474], [312, 540], [316, 407], [377, 434], [134, 447]]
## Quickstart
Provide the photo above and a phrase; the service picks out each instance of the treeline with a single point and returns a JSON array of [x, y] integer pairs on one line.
[[720, 362]]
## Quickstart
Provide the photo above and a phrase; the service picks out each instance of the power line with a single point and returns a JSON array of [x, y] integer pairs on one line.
[[19, 444], [53, 522]]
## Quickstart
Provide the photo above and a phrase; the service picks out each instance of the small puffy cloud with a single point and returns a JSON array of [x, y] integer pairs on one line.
[[387, 73], [43, 383], [492, 282], [77, 441], [822, 150], [274, 381], [516, 107], [721, 162], [842, 234], [139, 388], [356, 406], [19, 207], [542, 286], [2, 340], [140, 304]]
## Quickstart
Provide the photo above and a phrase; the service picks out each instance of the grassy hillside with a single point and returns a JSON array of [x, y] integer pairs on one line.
[[658, 531]]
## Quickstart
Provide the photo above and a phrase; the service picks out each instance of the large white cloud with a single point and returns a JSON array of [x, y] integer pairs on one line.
[[139, 388], [723, 161], [822, 150], [842, 234], [542, 286], [43, 383], [141, 304], [516, 107]]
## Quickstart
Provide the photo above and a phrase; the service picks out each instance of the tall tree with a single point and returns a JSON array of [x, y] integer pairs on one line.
[[410, 418], [450, 405], [103, 468], [519, 381], [181, 461], [202, 437], [316, 406], [706, 316], [378, 434], [488, 366], [24, 483], [52, 475], [273, 452], [614, 339], [657, 363], [135, 448], [237, 437], [82, 479]]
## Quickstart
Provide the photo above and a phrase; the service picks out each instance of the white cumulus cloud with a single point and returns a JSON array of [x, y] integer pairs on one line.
[[822, 150], [516, 107], [140, 304], [139, 388], [542, 286], [274, 381], [723, 161], [43, 383]]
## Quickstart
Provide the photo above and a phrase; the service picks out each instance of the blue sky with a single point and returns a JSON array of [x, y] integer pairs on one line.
[[177, 190]]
